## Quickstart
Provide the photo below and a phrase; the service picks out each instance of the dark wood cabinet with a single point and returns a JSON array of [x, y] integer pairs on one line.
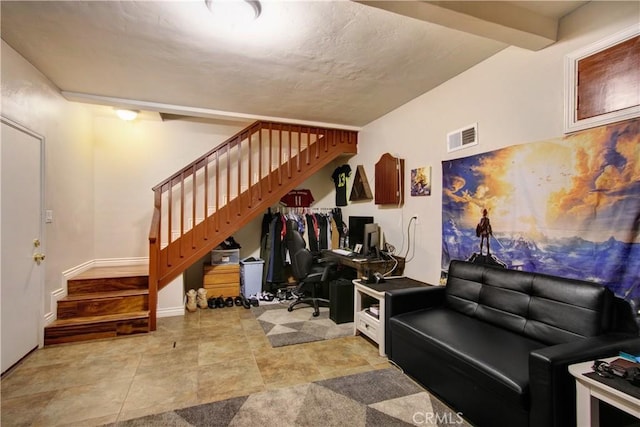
[[389, 180]]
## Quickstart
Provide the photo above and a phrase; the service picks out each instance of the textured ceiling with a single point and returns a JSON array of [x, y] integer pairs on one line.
[[338, 62]]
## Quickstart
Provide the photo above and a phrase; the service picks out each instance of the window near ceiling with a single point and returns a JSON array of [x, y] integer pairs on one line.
[[609, 80], [603, 82]]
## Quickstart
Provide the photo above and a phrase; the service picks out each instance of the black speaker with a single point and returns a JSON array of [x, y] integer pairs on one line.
[[341, 301]]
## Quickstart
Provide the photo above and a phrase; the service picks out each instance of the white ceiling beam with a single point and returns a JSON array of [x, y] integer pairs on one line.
[[181, 110], [496, 20]]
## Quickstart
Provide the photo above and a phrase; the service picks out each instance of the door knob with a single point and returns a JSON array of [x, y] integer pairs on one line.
[[38, 258]]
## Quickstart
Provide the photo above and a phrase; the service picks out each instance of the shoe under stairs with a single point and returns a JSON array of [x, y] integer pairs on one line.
[[102, 302]]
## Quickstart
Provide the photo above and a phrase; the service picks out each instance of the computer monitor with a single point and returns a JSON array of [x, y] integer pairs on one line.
[[356, 229], [371, 244]]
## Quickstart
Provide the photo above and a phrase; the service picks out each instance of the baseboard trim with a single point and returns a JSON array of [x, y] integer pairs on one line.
[[170, 312], [122, 262], [61, 292]]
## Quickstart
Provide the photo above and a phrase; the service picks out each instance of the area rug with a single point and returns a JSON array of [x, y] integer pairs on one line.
[[298, 326], [376, 398]]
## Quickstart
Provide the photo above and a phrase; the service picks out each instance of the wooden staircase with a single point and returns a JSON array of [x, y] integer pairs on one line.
[[102, 302], [195, 209], [208, 200]]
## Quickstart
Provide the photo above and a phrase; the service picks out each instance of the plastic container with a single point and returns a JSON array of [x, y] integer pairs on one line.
[[251, 276], [225, 256]]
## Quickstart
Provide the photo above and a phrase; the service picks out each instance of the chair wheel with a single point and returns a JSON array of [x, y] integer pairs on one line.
[[316, 314], [289, 308]]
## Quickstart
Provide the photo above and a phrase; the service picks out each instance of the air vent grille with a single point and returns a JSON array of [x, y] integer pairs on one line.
[[462, 138]]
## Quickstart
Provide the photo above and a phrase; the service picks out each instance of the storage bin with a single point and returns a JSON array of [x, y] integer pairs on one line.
[[225, 256], [251, 276]]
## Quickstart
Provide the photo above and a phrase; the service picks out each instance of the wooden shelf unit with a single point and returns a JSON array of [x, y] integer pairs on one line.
[[222, 279], [389, 180]]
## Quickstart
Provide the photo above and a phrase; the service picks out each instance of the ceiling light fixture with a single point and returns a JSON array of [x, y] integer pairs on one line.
[[234, 10], [127, 115]]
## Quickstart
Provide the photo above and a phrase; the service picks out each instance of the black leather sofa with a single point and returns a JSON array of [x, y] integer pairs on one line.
[[495, 344]]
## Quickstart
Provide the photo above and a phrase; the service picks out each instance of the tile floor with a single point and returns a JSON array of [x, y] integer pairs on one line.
[[202, 357]]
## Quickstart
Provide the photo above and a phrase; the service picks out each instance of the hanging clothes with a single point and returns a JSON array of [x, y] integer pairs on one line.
[[301, 198], [276, 265], [335, 234], [323, 231], [313, 232], [336, 214], [265, 247], [339, 178]]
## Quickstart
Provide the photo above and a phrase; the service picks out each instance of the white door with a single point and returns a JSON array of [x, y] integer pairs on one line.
[[21, 289]]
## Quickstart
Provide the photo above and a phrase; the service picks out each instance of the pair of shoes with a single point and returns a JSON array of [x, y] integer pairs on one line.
[[228, 302], [218, 302], [285, 294], [266, 296], [238, 301]]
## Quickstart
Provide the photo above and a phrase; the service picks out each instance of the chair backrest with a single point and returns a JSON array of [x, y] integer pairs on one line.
[[301, 257]]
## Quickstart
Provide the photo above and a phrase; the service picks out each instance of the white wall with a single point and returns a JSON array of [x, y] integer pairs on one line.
[[516, 97], [131, 158], [30, 99]]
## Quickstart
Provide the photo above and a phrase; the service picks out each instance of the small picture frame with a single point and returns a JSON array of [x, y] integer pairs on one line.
[[358, 248], [421, 181]]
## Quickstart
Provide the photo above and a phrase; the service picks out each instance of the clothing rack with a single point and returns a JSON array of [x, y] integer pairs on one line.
[[300, 211]]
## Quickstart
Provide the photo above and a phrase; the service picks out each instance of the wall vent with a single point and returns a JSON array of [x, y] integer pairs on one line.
[[462, 138]]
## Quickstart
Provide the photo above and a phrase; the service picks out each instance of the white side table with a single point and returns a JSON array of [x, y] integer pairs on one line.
[[590, 391], [364, 322], [368, 324]]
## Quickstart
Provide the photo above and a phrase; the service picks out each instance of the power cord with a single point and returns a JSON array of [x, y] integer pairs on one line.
[[413, 218], [395, 264]]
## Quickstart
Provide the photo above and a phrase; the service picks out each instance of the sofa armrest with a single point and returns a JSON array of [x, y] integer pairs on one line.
[[398, 301], [551, 386]]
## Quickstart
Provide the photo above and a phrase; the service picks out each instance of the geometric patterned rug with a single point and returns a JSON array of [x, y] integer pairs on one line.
[[298, 326], [376, 398]]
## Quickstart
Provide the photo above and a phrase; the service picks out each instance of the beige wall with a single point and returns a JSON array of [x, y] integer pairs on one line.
[[33, 101], [132, 157], [516, 96]]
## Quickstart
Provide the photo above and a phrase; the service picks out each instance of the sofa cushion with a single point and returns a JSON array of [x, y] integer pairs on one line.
[[563, 310], [553, 310], [494, 358]]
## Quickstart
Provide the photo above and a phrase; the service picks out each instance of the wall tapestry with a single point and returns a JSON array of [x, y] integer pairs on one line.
[[567, 207]]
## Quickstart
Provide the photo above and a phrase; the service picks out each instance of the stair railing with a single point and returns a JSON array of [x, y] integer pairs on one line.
[[197, 207]]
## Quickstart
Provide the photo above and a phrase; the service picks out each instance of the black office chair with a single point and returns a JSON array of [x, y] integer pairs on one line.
[[310, 272]]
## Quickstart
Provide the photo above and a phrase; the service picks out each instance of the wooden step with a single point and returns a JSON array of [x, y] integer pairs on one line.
[[106, 284], [95, 304], [96, 327]]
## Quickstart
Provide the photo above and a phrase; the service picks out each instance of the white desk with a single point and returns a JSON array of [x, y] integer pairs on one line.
[[590, 391]]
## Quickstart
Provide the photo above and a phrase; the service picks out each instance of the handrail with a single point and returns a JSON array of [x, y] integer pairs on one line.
[[209, 199], [241, 135], [201, 161]]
